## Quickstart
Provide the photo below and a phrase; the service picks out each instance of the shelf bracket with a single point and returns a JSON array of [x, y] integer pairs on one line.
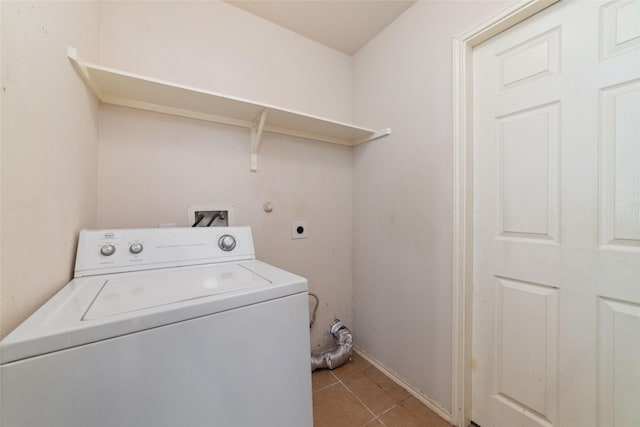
[[81, 69], [256, 137]]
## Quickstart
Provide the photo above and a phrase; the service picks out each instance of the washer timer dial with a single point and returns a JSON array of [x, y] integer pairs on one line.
[[227, 242]]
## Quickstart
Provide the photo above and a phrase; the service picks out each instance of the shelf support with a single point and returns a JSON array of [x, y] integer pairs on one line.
[[256, 137], [81, 69]]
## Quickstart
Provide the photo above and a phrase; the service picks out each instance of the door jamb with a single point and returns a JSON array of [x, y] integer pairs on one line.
[[463, 195]]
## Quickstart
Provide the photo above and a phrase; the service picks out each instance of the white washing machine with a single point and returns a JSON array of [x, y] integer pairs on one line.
[[163, 327]]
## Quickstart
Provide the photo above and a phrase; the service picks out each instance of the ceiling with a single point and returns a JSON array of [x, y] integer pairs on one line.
[[345, 25]]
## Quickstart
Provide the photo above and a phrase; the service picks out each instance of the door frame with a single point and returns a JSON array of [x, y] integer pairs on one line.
[[462, 298]]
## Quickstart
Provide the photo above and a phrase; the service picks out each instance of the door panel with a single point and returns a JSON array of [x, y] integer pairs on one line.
[[527, 346], [528, 173], [556, 309], [530, 60], [620, 170], [619, 370], [620, 30]]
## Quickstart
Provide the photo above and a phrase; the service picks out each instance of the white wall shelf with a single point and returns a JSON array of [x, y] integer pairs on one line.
[[117, 87]]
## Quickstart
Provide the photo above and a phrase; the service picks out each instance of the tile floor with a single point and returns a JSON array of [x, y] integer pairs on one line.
[[358, 394]]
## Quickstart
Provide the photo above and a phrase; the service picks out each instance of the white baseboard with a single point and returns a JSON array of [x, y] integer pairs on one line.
[[435, 407]]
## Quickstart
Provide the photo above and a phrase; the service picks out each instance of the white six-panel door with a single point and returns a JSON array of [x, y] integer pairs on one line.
[[556, 301]]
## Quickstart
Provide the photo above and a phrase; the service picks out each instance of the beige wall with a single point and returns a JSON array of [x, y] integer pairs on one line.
[[49, 149], [403, 194], [213, 45], [153, 166]]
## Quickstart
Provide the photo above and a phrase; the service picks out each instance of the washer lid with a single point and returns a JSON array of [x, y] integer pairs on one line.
[[133, 293], [97, 308]]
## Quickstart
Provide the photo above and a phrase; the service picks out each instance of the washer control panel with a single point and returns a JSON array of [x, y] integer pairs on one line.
[[114, 251]]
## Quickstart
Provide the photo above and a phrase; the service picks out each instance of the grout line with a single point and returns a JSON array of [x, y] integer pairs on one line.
[[325, 387], [384, 412], [337, 380], [356, 397], [375, 417], [394, 406], [434, 406], [378, 420]]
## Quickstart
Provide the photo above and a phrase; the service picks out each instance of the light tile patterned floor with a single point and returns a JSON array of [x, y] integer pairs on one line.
[[358, 394]]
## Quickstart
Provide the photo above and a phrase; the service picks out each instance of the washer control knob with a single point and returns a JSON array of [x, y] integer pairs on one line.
[[136, 248], [107, 250], [227, 242]]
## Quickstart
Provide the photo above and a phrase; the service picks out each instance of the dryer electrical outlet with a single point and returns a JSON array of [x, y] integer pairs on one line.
[[209, 215], [299, 230]]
